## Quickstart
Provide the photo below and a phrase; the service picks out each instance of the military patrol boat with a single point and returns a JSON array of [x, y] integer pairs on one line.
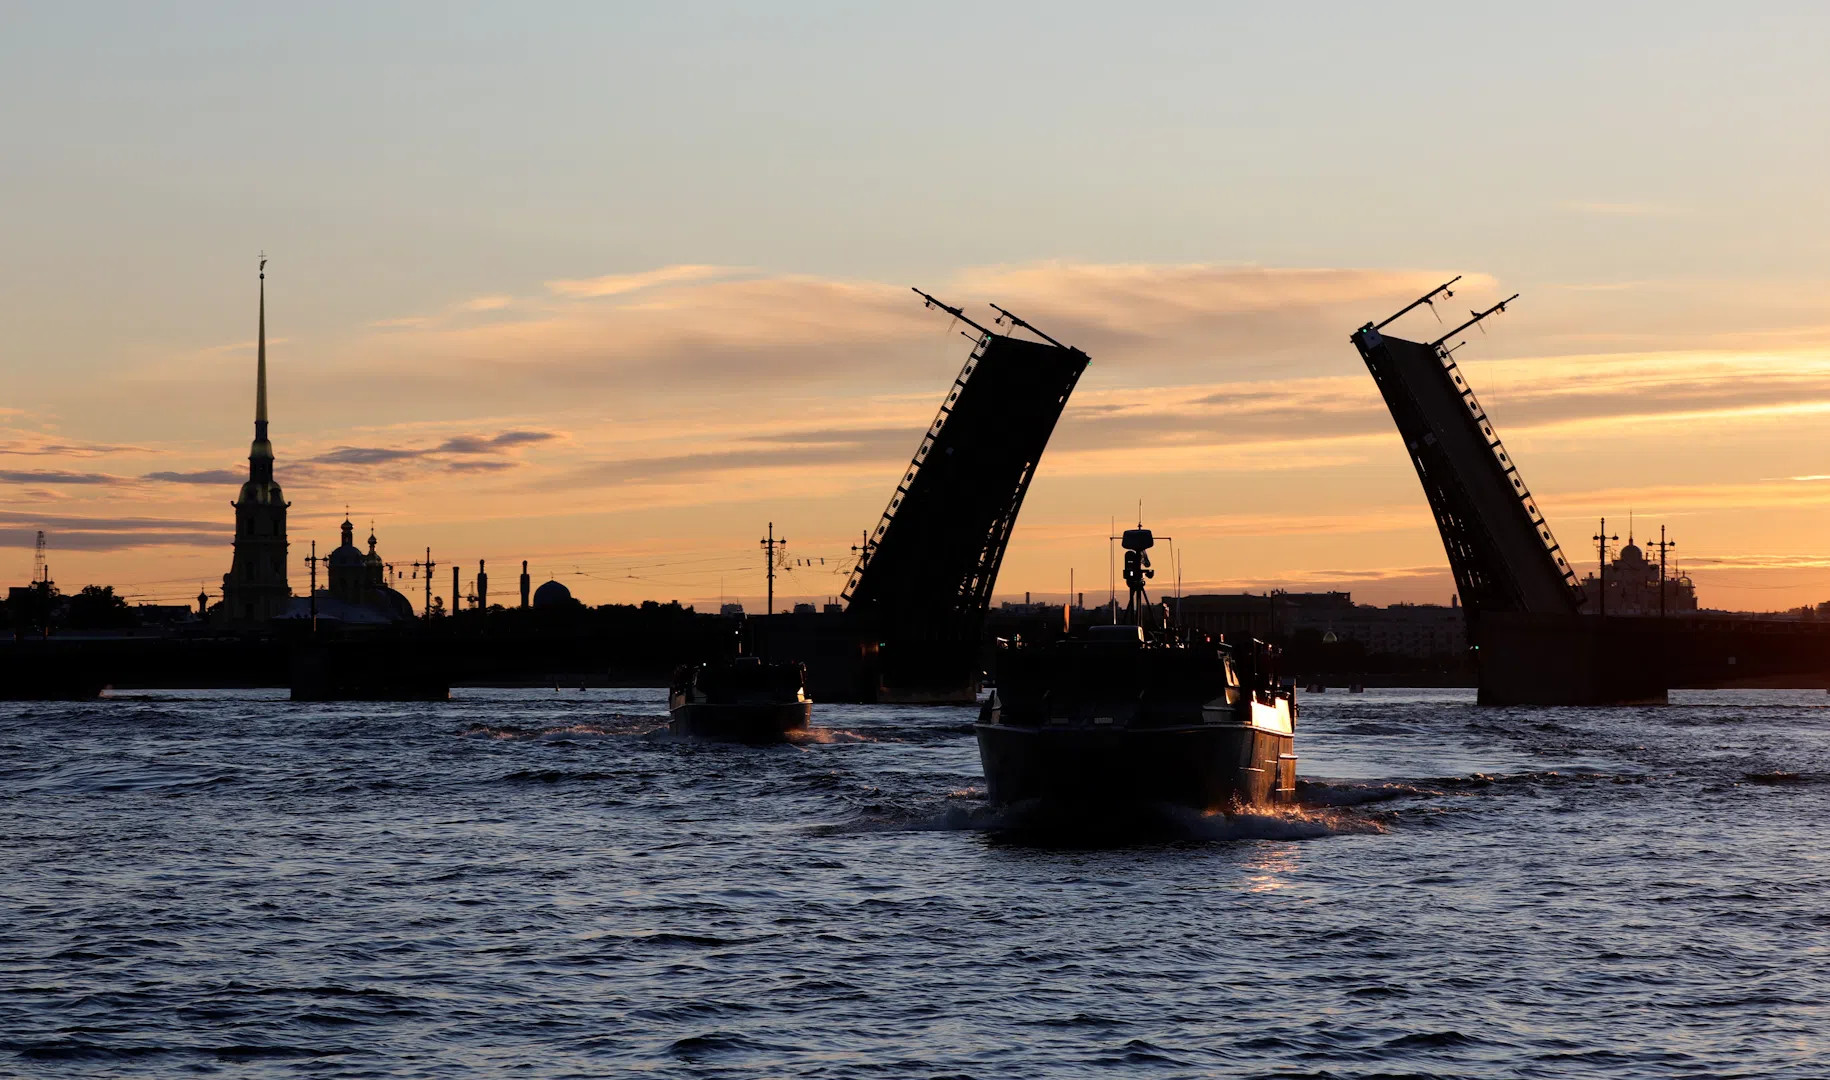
[[746, 699], [1139, 713]]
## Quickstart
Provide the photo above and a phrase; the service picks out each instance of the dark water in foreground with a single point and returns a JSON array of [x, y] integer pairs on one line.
[[534, 883]]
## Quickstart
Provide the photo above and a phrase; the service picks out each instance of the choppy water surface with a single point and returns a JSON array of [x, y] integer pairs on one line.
[[537, 882]]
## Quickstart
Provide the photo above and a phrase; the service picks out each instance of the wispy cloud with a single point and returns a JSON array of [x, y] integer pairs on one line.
[[455, 445], [477, 444], [366, 455], [71, 532], [870, 449], [27, 448], [618, 284], [203, 476], [55, 476]]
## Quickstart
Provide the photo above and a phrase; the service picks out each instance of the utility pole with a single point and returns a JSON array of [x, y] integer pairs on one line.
[[312, 559], [770, 546], [1112, 572], [426, 611], [1601, 563], [862, 548], [1664, 545], [456, 597]]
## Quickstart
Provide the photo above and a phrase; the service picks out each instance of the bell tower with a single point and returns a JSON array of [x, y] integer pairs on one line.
[[255, 589]]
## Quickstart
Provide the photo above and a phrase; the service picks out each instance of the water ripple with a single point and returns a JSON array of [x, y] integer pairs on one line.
[[524, 882]]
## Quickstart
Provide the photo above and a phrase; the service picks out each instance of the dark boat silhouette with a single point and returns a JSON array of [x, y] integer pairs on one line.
[[746, 699], [1136, 715]]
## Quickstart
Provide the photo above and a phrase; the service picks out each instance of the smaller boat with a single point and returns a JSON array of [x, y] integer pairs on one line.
[[746, 699]]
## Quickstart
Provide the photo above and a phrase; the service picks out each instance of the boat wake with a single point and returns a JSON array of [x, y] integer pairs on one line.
[[618, 725], [1316, 794], [824, 736], [1049, 826]]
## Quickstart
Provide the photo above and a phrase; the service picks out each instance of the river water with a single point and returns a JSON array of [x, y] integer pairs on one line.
[[538, 883]]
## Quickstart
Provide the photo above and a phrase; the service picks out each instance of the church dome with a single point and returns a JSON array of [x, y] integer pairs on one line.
[[395, 604], [552, 595], [348, 555]]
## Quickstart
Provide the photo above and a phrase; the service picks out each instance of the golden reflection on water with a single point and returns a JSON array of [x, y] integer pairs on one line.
[[1270, 866]]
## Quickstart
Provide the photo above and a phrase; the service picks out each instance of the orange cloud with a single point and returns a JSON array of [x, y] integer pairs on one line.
[[618, 284]]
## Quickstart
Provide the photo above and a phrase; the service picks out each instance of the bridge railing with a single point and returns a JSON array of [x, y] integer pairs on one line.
[[1511, 473], [870, 545]]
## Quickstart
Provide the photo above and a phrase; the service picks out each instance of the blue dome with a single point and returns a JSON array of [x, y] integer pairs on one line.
[[553, 594]]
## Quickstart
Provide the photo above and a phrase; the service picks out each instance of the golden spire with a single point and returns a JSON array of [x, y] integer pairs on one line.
[[260, 454], [260, 388]]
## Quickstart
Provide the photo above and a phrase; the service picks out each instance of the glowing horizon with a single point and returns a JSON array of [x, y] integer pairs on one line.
[[610, 289], [802, 399]]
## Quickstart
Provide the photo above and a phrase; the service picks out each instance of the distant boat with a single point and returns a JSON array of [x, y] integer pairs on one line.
[[742, 700]]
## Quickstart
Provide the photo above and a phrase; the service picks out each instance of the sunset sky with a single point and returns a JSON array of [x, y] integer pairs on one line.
[[610, 287]]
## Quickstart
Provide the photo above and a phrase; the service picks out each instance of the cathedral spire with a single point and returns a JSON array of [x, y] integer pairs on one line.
[[260, 455], [255, 589], [260, 385]]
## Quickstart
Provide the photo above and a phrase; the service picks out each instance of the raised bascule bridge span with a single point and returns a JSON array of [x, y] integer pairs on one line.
[[1532, 643], [917, 600], [922, 586]]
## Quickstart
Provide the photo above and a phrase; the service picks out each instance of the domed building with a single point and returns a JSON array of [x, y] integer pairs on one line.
[[358, 593], [552, 596], [1633, 585]]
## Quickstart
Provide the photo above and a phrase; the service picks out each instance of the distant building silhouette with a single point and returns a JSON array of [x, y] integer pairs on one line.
[[1420, 631], [255, 589], [1633, 585], [553, 595], [358, 594]]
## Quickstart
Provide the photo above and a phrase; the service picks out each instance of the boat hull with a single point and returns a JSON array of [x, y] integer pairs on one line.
[[1201, 767], [751, 723]]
